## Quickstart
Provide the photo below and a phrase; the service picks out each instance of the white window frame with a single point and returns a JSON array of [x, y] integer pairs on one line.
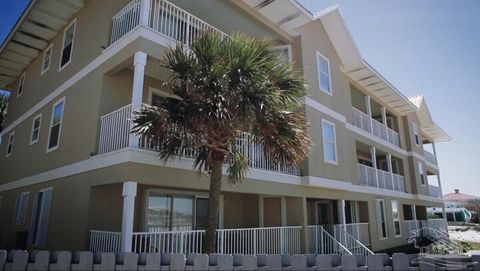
[[39, 116], [21, 206], [21, 85], [415, 134], [379, 221], [325, 159], [395, 203], [327, 91], [283, 47], [11, 141], [74, 23], [421, 171], [51, 123], [43, 69]]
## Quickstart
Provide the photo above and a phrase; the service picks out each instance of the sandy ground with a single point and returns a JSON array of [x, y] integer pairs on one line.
[[470, 235]]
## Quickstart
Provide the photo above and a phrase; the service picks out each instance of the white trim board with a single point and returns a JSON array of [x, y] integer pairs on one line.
[[150, 158]]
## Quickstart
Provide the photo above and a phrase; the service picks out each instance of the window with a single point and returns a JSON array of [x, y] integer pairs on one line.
[[421, 170], [323, 66], [396, 218], [329, 142], [415, 134], [20, 212], [11, 140], [55, 125], [47, 59], [40, 215], [67, 45], [381, 222], [170, 212], [284, 51], [21, 85], [37, 121]]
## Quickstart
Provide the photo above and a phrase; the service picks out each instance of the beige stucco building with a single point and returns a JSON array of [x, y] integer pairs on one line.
[[73, 177]]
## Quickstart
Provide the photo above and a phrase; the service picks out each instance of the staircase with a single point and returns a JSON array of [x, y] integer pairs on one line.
[[334, 240]]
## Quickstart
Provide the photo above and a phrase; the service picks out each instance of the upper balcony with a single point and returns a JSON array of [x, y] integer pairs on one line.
[[429, 152], [374, 118], [162, 17]]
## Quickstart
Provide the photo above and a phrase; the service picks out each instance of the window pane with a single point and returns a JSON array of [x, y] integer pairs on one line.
[[66, 55], [329, 151], [328, 132], [324, 82], [397, 227], [69, 35], [46, 60], [201, 212], [323, 65], [159, 208], [54, 134], [57, 113], [182, 214]]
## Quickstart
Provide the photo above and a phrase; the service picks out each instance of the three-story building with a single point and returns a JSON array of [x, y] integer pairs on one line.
[[72, 176]]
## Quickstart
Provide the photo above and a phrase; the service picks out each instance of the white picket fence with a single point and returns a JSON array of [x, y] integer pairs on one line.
[[374, 127], [368, 177], [270, 240], [164, 18]]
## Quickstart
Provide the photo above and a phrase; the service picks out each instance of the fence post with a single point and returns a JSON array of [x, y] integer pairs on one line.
[[321, 240], [187, 32], [255, 232], [181, 243], [281, 240]]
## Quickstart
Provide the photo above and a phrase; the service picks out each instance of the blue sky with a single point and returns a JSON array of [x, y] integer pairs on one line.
[[428, 47]]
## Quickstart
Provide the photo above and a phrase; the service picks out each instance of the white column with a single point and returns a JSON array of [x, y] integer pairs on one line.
[[144, 12], [283, 208], [369, 111], [221, 216], [260, 211], [384, 121], [139, 62], [390, 168], [341, 212], [129, 193], [373, 156]]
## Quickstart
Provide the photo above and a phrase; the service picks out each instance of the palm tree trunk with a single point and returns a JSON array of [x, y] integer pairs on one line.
[[213, 206]]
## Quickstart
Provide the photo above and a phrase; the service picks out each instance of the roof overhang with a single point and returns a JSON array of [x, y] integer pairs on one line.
[[39, 23], [428, 127]]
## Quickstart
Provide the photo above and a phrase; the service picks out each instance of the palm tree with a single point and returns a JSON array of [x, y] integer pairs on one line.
[[3, 109], [221, 88]]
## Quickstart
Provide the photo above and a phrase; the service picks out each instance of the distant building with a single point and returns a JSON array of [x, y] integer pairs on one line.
[[469, 201]]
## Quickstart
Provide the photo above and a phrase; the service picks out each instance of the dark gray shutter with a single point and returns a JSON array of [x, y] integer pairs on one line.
[[15, 211], [45, 217], [35, 209]]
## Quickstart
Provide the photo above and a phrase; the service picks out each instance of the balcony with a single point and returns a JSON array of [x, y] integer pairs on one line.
[[434, 191], [374, 127], [115, 135], [430, 157], [377, 178], [162, 17]]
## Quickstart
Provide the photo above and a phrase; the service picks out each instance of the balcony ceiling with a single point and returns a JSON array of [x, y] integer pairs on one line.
[[39, 23]]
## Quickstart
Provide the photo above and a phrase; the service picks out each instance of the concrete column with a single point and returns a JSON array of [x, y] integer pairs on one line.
[[390, 169], [144, 12], [283, 208], [221, 216], [140, 60], [304, 237], [373, 156], [341, 212], [369, 111], [384, 116], [260, 211], [414, 212], [129, 193]]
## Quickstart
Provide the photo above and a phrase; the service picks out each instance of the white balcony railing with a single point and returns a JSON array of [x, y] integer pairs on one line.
[[374, 127], [272, 240], [115, 130], [161, 16], [368, 177], [434, 191], [430, 157]]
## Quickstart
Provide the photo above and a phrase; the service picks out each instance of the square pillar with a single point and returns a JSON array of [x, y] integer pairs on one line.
[[369, 111], [373, 156], [129, 193], [140, 60], [144, 12], [390, 169], [283, 209], [260, 212]]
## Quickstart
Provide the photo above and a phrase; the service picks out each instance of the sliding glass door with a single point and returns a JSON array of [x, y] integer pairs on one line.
[[168, 212]]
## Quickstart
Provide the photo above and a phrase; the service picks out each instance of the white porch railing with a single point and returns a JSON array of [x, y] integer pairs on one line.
[[434, 191], [386, 180], [342, 234], [430, 157], [322, 242], [115, 130], [105, 241], [409, 226], [439, 224], [163, 17], [374, 127], [272, 240], [359, 231]]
